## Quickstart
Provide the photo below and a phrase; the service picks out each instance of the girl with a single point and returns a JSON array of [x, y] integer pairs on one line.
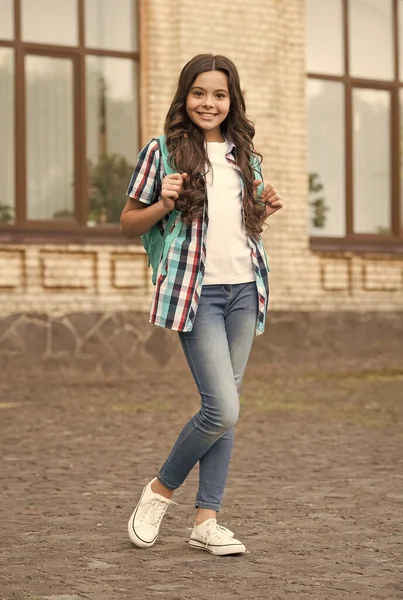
[[213, 287]]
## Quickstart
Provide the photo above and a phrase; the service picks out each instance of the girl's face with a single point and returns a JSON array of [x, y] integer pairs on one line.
[[208, 102]]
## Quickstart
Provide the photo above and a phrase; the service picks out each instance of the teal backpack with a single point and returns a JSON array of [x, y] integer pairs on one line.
[[156, 244]]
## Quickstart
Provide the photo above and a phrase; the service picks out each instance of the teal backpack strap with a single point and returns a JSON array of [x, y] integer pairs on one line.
[[169, 235], [165, 155], [258, 175]]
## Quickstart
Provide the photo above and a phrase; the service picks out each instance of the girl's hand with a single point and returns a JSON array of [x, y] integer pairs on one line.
[[271, 197], [171, 187]]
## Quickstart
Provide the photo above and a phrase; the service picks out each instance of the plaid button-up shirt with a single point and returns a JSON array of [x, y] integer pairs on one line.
[[177, 293]]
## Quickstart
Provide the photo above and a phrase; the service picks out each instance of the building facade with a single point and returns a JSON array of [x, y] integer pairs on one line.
[[84, 83]]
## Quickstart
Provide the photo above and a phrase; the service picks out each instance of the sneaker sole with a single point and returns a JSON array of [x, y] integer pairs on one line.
[[134, 538], [218, 550]]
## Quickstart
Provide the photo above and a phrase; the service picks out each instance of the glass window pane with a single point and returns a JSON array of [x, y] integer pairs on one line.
[[50, 22], [371, 39], [324, 53], [112, 134], [326, 157], [7, 181], [49, 139], [371, 161], [6, 19], [111, 24]]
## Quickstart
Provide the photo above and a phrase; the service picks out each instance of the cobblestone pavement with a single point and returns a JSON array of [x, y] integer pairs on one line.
[[315, 489]]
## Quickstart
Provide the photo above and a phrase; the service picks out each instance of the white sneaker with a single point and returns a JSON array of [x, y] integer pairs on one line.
[[144, 524], [226, 531], [211, 537]]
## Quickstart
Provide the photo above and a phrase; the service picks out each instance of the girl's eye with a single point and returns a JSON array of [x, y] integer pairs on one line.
[[220, 95], [197, 93]]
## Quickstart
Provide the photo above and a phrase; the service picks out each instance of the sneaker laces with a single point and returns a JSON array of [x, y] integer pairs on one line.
[[225, 531], [155, 510], [217, 532]]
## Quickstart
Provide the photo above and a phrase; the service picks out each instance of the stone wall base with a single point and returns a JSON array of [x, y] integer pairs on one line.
[[118, 344]]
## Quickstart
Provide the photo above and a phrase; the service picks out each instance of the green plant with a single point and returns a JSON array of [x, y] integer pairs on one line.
[[64, 214], [319, 204], [383, 230], [108, 179], [6, 213]]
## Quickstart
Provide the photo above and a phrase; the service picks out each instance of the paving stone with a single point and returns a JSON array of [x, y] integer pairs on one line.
[[64, 597], [6, 323], [161, 346], [99, 564], [83, 322], [314, 494], [12, 343], [62, 338], [34, 336]]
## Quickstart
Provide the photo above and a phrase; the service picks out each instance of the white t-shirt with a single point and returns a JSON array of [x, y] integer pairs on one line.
[[229, 257]]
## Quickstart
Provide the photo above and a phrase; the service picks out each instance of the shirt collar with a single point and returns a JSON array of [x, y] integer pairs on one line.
[[231, 145]]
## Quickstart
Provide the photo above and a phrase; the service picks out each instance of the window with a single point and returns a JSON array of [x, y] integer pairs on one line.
[[355, 123], [69, 115]]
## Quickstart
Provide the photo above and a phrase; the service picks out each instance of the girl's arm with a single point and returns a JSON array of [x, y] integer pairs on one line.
[[270, 197], [143, 207], [273, 200], [137, 218]]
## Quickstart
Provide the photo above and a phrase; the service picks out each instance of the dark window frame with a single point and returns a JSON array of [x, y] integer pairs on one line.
[[52, 231], [368, 242]]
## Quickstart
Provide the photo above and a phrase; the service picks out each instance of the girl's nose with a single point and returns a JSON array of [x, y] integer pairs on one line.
[[208, 102]]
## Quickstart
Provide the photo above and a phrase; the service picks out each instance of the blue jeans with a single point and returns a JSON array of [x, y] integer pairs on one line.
[[217, 350]]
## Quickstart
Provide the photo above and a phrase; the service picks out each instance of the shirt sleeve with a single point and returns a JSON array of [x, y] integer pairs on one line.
[[145, 182], [259, 175]]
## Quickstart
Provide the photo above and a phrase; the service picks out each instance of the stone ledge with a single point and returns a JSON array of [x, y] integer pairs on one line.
[[116, 343]]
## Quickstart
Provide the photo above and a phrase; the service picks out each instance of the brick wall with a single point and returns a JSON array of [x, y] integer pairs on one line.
[[58, 279], [266, 41]]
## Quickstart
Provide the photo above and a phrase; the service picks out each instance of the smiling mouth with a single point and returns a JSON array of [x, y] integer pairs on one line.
[[207, 115]]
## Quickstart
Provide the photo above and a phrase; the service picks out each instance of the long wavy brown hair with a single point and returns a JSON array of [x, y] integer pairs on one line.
[[187, 151]]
